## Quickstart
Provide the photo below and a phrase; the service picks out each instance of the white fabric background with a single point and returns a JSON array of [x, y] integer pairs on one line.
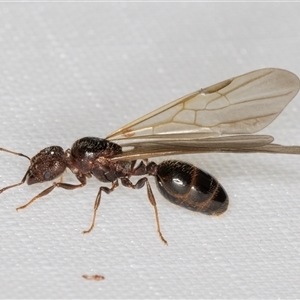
[[70, 70]]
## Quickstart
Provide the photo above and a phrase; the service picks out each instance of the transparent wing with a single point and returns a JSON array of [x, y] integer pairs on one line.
[[143, 149], [241, 105]]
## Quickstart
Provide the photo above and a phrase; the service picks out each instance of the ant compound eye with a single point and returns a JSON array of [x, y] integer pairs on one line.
[[47, 175]]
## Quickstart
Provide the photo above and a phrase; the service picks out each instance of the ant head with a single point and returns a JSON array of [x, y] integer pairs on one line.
[[48, 164]]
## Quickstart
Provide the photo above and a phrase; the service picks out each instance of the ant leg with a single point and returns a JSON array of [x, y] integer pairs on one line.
[[97, 203], [140, 183], [43, 193], [63, 185]]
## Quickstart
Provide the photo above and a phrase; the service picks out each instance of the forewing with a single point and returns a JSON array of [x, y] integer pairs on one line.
[[241, 105]]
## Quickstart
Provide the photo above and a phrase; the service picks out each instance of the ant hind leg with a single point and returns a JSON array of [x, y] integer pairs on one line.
[[140, 183]]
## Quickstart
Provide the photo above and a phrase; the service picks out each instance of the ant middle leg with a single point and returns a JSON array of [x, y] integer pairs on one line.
[[97, 202], [139, 184]]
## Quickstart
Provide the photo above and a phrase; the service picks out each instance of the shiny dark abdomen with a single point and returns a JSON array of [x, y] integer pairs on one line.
[[185, 185]]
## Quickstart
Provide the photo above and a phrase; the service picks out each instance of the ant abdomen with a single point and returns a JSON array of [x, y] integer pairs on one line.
[[186, 185]]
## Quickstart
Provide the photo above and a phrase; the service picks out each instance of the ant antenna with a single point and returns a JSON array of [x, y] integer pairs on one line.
[[15, 153]]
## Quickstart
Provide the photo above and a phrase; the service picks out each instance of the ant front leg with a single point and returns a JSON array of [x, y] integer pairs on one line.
[[97, 202], [63, 185], [140, 183]]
